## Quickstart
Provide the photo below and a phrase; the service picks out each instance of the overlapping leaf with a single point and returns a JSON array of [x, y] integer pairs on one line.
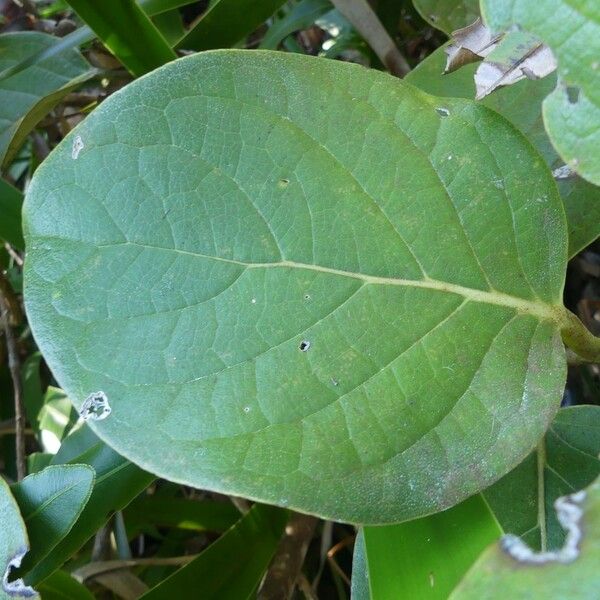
[[521, 105], [27, 96], [448, 15], [566, 461], [572, 111], [300, 281], [506, 571], [13, 546]]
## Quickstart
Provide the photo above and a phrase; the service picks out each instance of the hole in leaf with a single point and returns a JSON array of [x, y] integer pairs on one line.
[[77, 147], [307, 296], [16, 587], [95, 407], [573, 94], [443, 112], [283, 183], [304, 345]]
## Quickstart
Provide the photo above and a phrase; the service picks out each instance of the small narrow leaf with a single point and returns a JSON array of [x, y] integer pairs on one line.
[[117, 482], [51, 502], [301, 16], [62, 586], [233, 566], [13, 547], [27, 96], [245, 297], [127, 32], [227, 22]]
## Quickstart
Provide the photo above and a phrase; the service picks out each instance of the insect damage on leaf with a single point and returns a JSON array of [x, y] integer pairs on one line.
[[507, 58], [95, 407], [568, 513], [16, 588]]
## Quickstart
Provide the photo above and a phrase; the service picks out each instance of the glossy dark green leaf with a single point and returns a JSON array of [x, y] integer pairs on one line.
[[61, 586], [426, 558], [227, 22], [448, 15], [27, 96], [301, 16], [510, 570], [571, 28], [566, 461], [51, 501], [157, 7], [127, 32], [521, 104], [117, 483], [14, 545], [11, 200], [194, 515], [233, 566], [275, 307]]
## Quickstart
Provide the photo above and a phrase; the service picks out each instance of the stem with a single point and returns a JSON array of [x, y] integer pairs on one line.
[[541, 485], [15, 374], [579, 339], [366, 22]]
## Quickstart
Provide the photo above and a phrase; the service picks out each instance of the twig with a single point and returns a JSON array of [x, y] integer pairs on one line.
[[14, 367], [364, 19], [285, 567], [94, 569], [331, 557], [13, 254]]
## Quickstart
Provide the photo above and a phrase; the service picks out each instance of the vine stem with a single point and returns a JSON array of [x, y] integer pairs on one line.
[[14, 367]]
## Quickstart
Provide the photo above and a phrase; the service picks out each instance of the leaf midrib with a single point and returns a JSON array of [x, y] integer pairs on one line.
[[537, 309]]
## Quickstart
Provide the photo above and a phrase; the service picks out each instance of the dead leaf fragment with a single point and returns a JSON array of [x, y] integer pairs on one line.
[[469, 44], [507, 57]]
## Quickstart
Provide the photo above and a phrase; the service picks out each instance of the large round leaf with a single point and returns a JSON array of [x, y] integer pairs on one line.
[[303, 282]]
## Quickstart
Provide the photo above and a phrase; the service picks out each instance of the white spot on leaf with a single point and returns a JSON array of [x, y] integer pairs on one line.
[[568, 513], [77, 147], [16, 588], [95, 407]]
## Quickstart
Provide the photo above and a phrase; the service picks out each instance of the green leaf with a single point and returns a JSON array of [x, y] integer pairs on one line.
[[521, 105], [13, 546], [566, 461], [157, 7], [572, 111], [233, 566], [448, 15], [301, 16], [127, 32], [55, 418], [117, 483], [227, 22], [427, 557], [571, 573], [61, 586], [11, 200], [279, 309], [51, 502], [27, 96], [170, 25], [194, 515]]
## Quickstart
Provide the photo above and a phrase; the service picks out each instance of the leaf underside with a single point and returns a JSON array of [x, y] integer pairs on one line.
[[302, 282]]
